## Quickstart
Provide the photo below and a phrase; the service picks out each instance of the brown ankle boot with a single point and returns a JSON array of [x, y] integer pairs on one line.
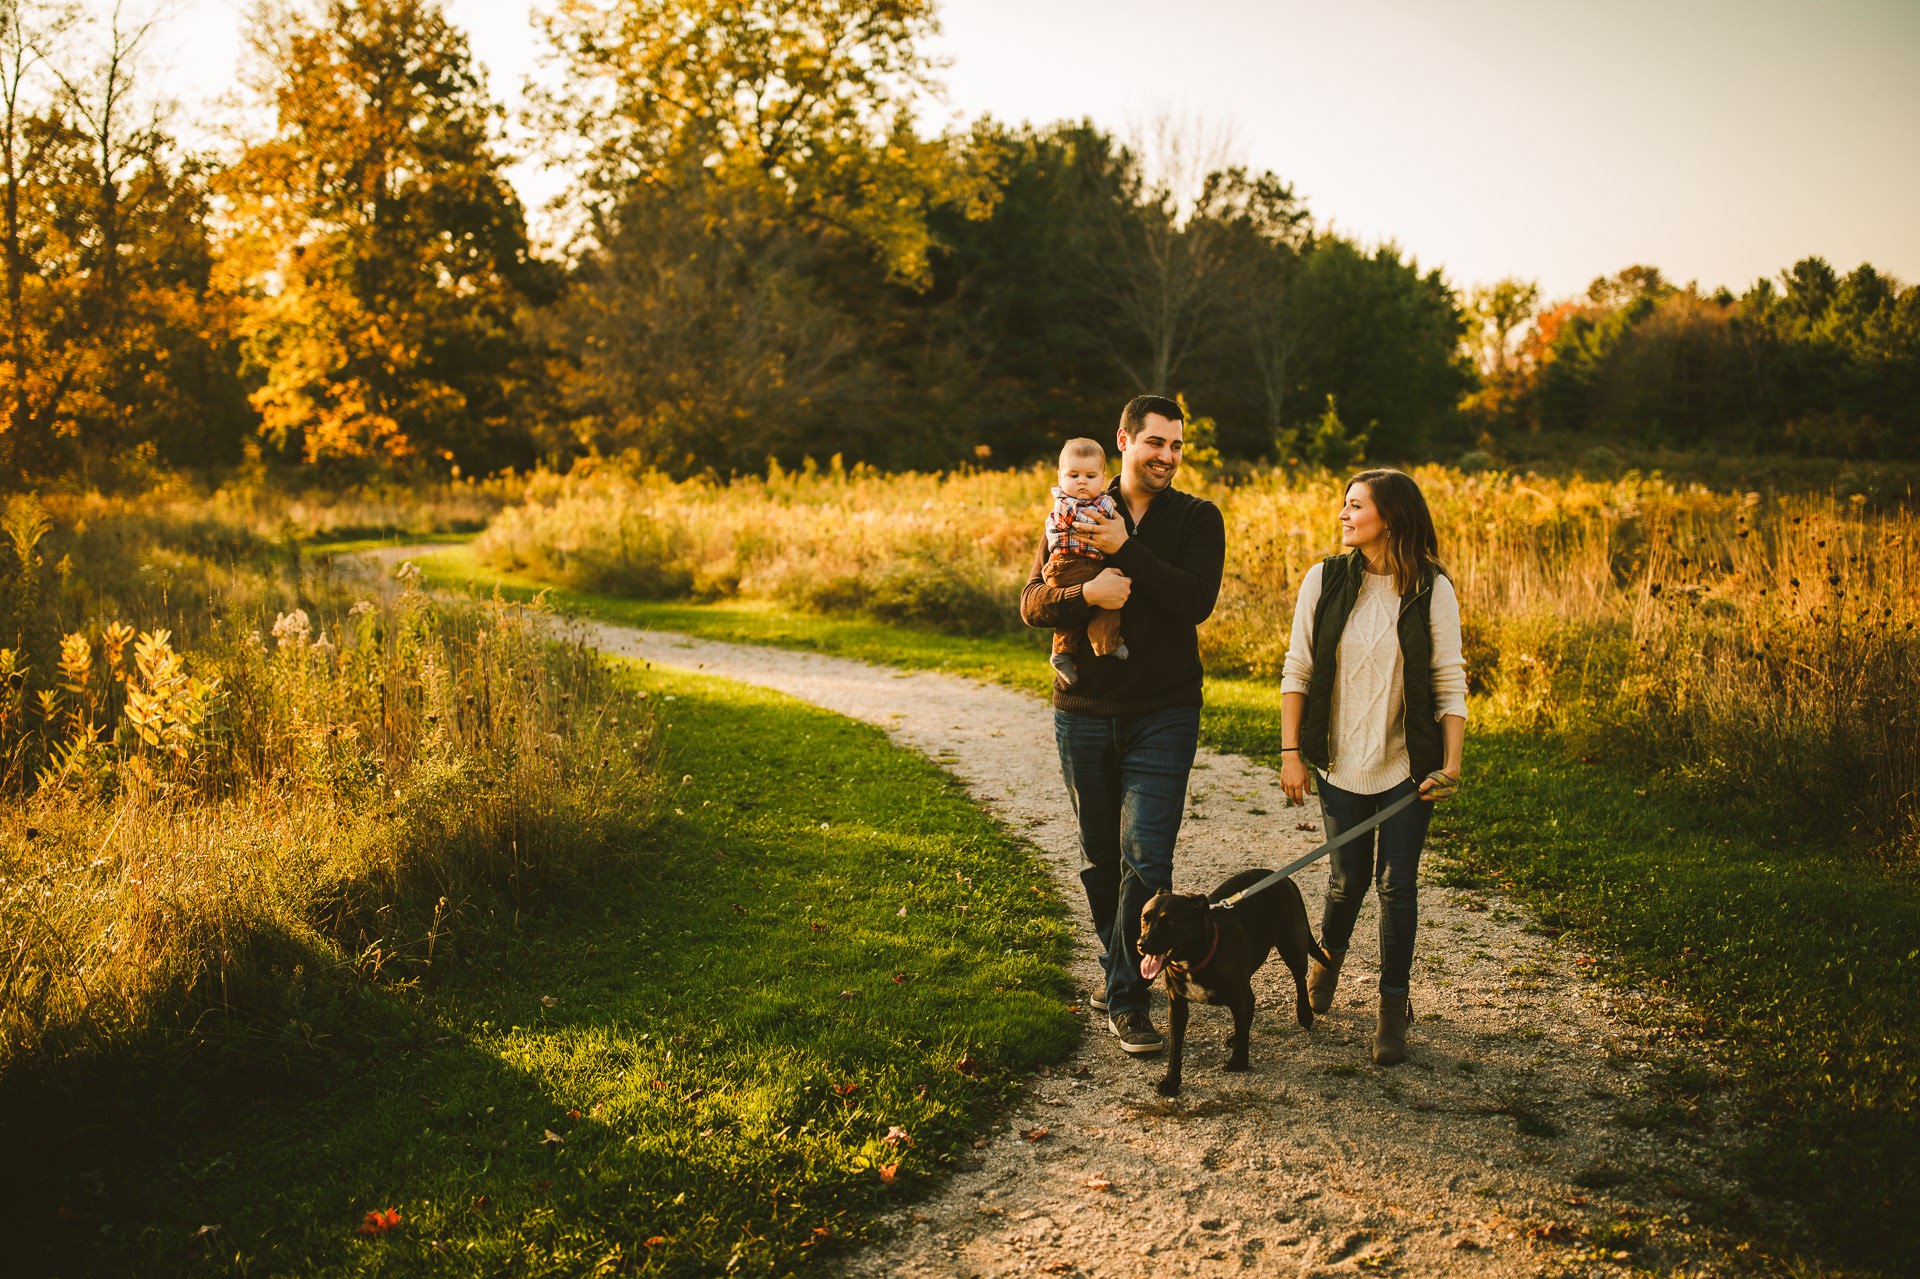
[[1322, 979], [1390, 1035]]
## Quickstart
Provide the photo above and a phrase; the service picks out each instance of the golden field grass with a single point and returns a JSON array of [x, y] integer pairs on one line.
[[1758, 641], [220, 762]]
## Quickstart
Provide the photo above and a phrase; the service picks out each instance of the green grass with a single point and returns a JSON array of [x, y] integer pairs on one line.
[[706, 1051], [1795, 949], [1794, 960]]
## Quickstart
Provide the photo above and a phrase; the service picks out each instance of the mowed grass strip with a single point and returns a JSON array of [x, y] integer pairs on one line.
[[803, 1006], [1795, 947]]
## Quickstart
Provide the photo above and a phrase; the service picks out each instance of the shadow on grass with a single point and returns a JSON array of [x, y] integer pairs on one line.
[[693, 1064]]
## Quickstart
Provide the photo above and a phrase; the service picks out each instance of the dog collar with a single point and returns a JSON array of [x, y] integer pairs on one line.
[[1211, 951]]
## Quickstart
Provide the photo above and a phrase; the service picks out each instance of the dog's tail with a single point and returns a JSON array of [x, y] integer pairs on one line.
[[1313, 948]]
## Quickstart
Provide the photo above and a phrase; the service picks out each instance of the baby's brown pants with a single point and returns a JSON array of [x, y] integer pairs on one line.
[[1103, 628]]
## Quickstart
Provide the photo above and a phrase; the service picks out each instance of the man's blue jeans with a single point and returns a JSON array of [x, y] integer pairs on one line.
[[1127, 779], [1389, 856]]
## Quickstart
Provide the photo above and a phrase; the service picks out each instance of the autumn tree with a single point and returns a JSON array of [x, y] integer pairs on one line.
[[112, 334], [757, 210], [382, 254]]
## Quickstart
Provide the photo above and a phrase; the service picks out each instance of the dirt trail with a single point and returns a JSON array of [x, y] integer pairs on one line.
[[1489, 1153]]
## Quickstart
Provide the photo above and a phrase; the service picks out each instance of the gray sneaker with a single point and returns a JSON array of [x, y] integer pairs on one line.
[[1136, 1032], [1099, 1002]]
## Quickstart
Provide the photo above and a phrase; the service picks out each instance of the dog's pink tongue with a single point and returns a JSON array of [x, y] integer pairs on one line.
[[1150, 965]]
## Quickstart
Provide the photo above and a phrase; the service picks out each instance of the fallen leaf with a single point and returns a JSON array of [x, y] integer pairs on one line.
[[902, 912], [1033, 1134], [1463, 1244], [969, 1066], [574, 1113], [738, 907], [887, 1172], [1099, 1183], [654, 1241], [204, 1231], [818, 928], [1306, 826], [551, 1138], [846, 994], [845, 1090], [548, 1000], [897, 1136], [899, 979], [379, 1221]]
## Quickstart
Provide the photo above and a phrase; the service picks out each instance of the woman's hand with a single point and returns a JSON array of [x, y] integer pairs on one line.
[[1105, 535], [1439, 785], [1294, 778]]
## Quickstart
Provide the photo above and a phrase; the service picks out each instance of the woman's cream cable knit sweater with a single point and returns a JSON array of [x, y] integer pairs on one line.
[[1368, 736]]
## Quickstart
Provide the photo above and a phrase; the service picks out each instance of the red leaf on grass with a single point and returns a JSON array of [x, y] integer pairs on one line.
[[379, 1221], [654, 1241], [970, 1067], [845, 1090], [887, 1172]]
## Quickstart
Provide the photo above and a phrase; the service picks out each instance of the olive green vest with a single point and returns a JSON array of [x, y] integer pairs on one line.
[[1340, 580]]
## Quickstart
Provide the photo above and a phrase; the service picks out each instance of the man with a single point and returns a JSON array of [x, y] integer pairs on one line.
[[1128, 728]]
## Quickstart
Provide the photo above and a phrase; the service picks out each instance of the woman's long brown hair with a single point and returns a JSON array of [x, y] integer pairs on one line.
[[1412, 545]]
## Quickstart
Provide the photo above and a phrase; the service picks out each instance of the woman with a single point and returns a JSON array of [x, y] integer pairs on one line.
[[1374, 698]]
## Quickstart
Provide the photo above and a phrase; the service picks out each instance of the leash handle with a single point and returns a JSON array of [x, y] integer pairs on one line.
[[1345, 837]]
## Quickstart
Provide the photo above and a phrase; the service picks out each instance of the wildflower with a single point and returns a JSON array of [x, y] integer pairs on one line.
[[292, 628], [409, 575], [361, 608], [324, 647]]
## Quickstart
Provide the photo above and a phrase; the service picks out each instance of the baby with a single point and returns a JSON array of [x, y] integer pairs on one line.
[[1070, 561]]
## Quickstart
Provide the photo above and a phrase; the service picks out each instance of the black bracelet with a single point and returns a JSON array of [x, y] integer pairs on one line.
[[1285, 749]]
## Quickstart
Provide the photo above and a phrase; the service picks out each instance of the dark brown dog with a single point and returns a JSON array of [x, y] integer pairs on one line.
[[1209, 953]]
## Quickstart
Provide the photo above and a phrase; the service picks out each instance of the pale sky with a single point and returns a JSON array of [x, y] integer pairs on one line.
[[1555, 140]]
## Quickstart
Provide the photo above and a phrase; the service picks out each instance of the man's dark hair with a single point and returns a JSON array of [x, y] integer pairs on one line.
[[1134, 416]]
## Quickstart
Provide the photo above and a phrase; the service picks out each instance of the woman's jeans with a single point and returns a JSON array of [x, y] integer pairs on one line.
[[1394, 868], [1127, 779]]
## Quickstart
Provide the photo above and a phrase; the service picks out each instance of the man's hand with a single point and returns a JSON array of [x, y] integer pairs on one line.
[[1110, 589], [1101, 533]]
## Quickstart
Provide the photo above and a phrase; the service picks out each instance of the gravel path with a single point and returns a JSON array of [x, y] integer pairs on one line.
[[1491, 1152]]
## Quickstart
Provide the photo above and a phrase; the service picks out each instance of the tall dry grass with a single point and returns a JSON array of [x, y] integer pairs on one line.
[[1764, 644], [214, 776]]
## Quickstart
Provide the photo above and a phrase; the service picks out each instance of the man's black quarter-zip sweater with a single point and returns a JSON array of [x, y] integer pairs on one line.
[[1174, 556]]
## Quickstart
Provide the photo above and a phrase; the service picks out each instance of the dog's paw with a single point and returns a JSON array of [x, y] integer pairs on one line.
[[1168, 1086], [1238, 1066]]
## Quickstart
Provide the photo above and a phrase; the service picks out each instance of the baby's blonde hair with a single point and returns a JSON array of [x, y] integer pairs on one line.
[[1081, 446]]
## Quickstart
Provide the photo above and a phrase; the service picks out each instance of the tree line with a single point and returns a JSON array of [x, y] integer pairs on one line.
[[1815, 362], [769, 259]]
